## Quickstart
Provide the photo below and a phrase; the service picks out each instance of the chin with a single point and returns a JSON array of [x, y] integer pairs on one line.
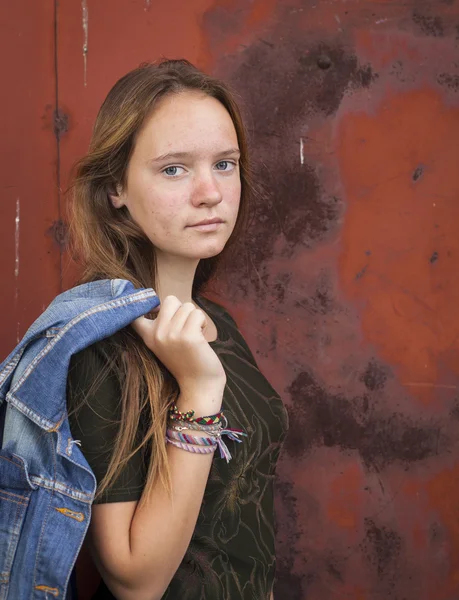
[[210, 251]]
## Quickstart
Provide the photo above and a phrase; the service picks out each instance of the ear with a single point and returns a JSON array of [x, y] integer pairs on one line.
[[117, 198]]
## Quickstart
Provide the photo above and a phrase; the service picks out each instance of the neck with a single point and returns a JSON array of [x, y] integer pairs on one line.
[[174, 277]]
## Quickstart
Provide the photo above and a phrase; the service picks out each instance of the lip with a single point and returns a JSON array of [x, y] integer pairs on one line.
[[207, 225], [207, 222]]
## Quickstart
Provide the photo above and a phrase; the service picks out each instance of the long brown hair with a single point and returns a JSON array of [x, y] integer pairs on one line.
[[110, 245]]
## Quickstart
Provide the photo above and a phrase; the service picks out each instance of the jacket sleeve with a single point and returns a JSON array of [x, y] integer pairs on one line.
[[93, 402]]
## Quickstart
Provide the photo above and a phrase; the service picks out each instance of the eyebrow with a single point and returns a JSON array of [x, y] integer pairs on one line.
[[175, 155]]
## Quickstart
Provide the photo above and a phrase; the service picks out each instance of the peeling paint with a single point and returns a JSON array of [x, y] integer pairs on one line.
[[354, 137], [85, 23]]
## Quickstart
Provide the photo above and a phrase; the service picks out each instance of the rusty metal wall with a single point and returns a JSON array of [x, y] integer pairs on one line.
[[347, 289], [29, 207]]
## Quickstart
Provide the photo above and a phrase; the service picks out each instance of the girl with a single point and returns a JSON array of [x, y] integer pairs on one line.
[[159, 199]]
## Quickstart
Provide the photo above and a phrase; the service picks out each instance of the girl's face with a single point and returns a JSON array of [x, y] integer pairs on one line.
[[183, 183]]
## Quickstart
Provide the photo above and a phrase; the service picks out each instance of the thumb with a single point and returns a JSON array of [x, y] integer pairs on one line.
[[143, 327]]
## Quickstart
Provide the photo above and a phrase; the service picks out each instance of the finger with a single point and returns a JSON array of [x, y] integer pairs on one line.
[[196, 323], [180, 318], [169, 307], [153, 314], [144, 328]]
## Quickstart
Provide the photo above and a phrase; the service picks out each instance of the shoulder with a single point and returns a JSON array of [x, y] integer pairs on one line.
[[92, 359], [228, 328], [217, 311], [93, 374]]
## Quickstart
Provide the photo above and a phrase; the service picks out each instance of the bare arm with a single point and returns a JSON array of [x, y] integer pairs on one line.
[[139, 548]]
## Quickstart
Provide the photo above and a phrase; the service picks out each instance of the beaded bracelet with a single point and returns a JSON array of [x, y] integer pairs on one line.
[[192, 447], [211, 429], [176, 415]]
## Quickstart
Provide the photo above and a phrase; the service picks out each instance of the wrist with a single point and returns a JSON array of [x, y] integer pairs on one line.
[[204, 401]]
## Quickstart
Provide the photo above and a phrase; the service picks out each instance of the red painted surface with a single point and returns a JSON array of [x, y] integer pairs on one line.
[[29, 257], [347, 287]]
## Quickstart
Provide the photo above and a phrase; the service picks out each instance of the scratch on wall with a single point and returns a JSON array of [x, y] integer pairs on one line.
[[85, 20], [16, 258], [301, 151], [147, 4]]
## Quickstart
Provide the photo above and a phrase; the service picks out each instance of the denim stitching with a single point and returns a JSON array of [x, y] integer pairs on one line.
[[45, 520], [16, 498], [32, 415], [11, 366], [62, 488], [20, 513], [18, 502], [91, 311], [25, 474], [137, 297], [82, 538], [52, 331], [70, 444]]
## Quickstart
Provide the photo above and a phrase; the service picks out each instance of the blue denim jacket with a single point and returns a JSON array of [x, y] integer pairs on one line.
[[46, 485]]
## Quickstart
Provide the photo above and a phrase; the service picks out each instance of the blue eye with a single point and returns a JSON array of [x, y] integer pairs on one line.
[[171, 171], [225, 165]]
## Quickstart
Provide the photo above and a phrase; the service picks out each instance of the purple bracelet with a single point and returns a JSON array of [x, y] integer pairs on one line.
[[192, 447], [191, 439], [175, 438]]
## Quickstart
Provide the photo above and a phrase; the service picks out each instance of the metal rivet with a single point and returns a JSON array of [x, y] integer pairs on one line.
[[324, 62]]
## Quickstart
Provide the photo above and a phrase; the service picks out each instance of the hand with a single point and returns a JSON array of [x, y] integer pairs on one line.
[[176, 337]]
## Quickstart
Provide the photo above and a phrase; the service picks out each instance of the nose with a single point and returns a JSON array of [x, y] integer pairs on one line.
[[206, 190]]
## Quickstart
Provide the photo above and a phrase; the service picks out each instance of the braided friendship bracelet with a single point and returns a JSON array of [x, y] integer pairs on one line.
[[191, 439], [214, 440], [214, 425], [192, 447], [211, 429], [176, 415]]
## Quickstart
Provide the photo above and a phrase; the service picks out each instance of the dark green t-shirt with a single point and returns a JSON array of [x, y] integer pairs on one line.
[[231, 554]]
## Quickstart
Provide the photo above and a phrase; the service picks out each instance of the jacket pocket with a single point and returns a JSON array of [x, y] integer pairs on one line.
[[15, 492]]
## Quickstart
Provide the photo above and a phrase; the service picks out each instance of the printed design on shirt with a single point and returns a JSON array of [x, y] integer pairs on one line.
[[232, 552]]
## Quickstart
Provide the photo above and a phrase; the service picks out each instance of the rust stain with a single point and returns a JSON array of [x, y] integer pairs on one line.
[[429, 25], [318, 417], [304, 90], [346, 502], [59, 233], [443, 492], [61, 123], [346, 288]]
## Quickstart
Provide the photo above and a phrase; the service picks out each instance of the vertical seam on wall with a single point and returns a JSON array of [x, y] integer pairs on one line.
[[56, 131]]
